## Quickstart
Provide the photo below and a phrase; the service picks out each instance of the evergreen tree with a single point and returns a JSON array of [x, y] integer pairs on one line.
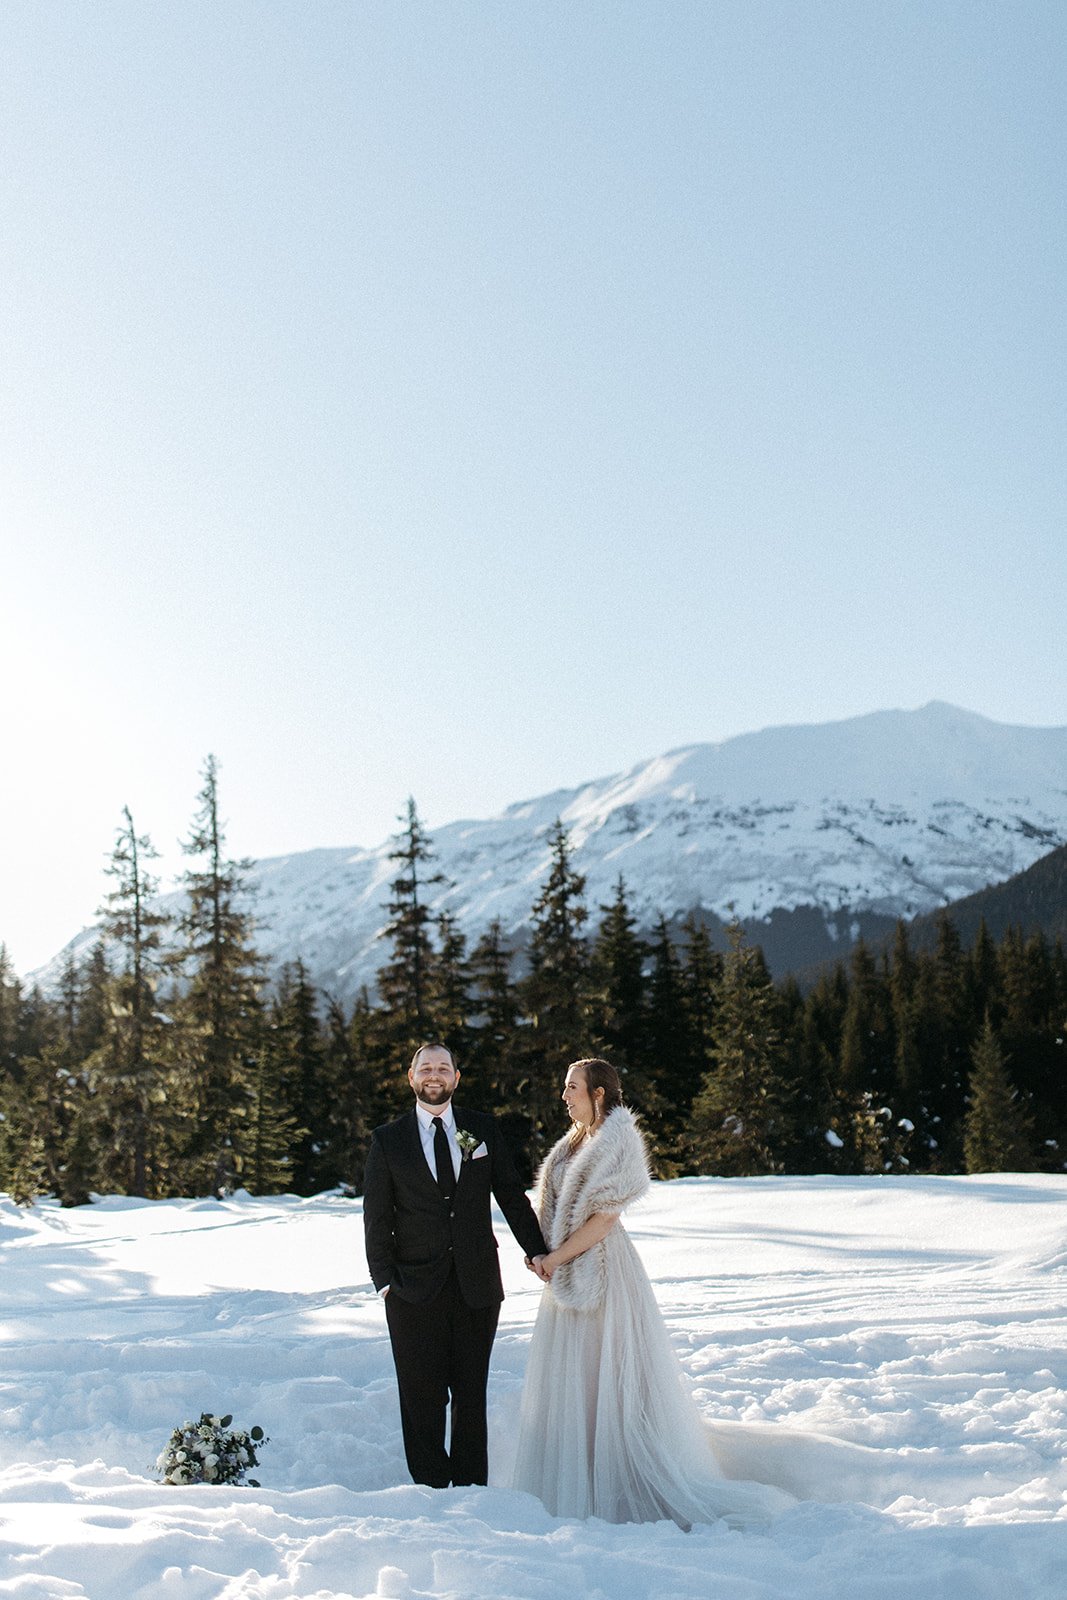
[[998, 1132], [618, 1019], [866, 1058], [451, 1004], [498, 1060], [270, 1131], [866, 1069], [555, 991], [737, 1125], [817, 1046], [23, 1156], [70, 992], [10, 1009], [93, 1004], [347, 1128], [875, 1143], [297, 1072], [907, 1061], [674, 1065], [805, 1072], [56, 1122], [405, 981], [923, 1107], [1029, 1029], [220, 1008], [53, 1123], [380, 1062], [983, 975], [701, 979], [129, 1069], [494, 1047], [954, 1031]]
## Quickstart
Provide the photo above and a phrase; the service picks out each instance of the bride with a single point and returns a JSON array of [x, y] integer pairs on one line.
[[607, 1428]]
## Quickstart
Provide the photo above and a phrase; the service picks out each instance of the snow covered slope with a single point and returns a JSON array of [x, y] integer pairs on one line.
[[889, 814]]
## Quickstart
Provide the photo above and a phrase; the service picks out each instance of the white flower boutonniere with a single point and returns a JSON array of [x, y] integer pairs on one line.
[[468, 1143]]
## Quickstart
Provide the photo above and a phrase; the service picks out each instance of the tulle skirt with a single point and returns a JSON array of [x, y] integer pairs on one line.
[[607, 1426]]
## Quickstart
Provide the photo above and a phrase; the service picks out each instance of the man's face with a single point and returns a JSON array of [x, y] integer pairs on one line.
[[433, 1078]]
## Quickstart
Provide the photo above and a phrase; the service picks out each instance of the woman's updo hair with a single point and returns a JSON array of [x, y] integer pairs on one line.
[[600, 1074]]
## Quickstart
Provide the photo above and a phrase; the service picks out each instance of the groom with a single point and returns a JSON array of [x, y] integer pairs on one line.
[[433, 1256]]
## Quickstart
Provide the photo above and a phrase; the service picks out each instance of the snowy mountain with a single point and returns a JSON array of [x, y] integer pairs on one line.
[[823, 830]]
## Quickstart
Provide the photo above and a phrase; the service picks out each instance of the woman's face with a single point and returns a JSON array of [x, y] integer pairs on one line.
[[577, 1099]]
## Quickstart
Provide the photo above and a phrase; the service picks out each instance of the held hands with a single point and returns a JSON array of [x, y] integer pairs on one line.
[[538, 1266]]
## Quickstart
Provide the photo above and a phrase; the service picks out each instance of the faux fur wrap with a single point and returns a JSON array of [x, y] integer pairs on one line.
[[606, 1173]]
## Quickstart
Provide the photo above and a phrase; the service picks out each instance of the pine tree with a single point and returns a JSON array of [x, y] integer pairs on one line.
[[405, 981], [10, 1009], [674, 1065], [907, 1062], [866, 1069], [65, 1102], [129, 1069], [346, 1129], [270, 1132], [220, 1010], [983, 975], [556, 990], [805, 1071], [499, 1061], [866, 1059], [618, 1016], [954, 1033], [295, 1054], [23, 1158], [1029, 1029], [875, 1142], [379, 1062], [494, 1049], [451, 1004], [737, 1124], [998, 1131], [93, 1005], [701, 979]]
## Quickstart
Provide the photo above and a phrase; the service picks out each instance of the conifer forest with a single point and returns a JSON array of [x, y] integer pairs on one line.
[[172, 1062]]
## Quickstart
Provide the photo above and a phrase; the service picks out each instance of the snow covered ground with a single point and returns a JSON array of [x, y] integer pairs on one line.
[[893, 1350]]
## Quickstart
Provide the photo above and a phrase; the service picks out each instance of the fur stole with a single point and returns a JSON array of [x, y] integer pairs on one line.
[[606, 1173]]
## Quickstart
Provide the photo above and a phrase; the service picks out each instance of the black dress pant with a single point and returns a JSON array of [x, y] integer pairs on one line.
[[441, 1352]]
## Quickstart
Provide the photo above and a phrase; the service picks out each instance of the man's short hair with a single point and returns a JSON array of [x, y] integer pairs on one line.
[[435, 1044]]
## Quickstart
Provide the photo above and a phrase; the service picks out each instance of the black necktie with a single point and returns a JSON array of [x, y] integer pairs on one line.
[[442, 1155]]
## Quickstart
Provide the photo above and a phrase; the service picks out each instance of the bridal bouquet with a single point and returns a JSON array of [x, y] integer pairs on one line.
[[205, 1452]]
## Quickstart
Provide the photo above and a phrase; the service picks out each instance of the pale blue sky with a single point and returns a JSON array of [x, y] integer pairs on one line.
[[469, 399]]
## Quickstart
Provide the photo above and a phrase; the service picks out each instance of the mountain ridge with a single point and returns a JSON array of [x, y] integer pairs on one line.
[[892, 813]]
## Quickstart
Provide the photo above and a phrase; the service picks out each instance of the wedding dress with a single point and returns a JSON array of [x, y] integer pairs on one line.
[[607, 1426]]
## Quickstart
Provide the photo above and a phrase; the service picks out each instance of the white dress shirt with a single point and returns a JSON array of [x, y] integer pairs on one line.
[[426, 1126]]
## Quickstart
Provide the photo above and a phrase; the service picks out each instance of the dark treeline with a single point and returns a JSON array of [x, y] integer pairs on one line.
[[172, 1063]]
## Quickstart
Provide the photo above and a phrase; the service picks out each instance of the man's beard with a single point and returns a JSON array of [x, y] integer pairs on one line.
[[428, 1095]]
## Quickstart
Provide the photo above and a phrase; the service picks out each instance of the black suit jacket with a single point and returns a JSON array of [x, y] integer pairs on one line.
[[414, 1236]]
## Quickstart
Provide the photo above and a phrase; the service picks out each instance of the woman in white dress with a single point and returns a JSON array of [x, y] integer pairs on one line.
[[607, 1427]]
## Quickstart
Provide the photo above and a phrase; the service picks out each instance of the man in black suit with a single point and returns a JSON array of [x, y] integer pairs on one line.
[[432, 1254]]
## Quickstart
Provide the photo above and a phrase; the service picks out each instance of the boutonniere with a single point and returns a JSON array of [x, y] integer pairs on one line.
[[468, 1143]]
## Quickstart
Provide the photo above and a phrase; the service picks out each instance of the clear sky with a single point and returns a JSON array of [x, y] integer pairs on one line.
[[467, 399]]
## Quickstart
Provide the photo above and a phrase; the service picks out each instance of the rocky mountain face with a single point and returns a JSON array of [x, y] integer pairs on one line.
[[809, 834]]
